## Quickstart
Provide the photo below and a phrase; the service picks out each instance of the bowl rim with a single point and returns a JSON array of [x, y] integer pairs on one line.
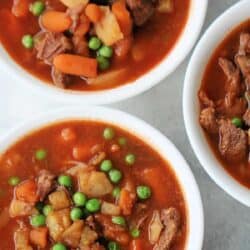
[[171, 61], [148, 134], [214, 35]]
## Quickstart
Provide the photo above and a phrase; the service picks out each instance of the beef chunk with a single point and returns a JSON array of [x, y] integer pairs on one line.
[[80, 45], [206, 102], [60, 79], [50, 44], [233, 141], [171, 220], [208, 120], [45, 183], [246, 117], [244, 47], [141, 10], [244, 64]]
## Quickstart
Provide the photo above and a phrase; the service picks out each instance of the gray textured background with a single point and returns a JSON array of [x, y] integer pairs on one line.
[[227, 222]]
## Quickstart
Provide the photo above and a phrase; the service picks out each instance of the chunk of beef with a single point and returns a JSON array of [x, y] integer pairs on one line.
[[111, 230], [60, 79], [206, 102], [233, 141], [171, 220], [208, 120], [50, 44], [80, 45], [141, 10], [246, 117], [45, 184], [244, 47], [244, 64]]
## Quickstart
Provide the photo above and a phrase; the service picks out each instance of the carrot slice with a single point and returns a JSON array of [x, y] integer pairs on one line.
[[83, 27], [76, 65], [55, 21], [93, 12], [38, 236], [27, 191], [123, 17], [126, 201], [20, 8]]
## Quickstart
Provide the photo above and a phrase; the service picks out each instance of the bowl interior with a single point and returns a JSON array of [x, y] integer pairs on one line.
[[202, 54], [148, 134], [155, 75]]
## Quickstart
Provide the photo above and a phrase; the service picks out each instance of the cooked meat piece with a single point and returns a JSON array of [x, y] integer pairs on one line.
[[60, 79], [90, 221], [50, 44], [140, 215], [141, 10], [244, 64], [45, 184], [246, 117], [205, 100], [244, 47], [171, 220], [111, 230], [80, 45], [155, 227], [208, 120], [97, 159], [233, 141]]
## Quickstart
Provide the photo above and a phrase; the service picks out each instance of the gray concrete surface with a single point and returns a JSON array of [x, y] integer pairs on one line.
[[227, 222]]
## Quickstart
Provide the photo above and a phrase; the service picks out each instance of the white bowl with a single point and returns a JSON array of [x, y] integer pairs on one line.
[[167, 65], [215, 34], [148, 134]]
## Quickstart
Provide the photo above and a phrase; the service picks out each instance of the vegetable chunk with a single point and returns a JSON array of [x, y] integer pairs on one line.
[[21, 238], [21, 208], [59, 200], [74, 3]]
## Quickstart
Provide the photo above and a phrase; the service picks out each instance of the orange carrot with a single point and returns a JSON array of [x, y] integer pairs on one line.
[[126, 201], [38, 236], [55, 21], [123, 17], [20, 8], [76, 65], [135, 245], [83, 27], [93, 12], [27, 191]]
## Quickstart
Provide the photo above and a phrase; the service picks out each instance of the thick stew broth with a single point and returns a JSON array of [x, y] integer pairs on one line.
[[69, 145]]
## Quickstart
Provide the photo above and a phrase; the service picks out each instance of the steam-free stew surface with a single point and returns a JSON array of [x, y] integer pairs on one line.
[[70, 144]]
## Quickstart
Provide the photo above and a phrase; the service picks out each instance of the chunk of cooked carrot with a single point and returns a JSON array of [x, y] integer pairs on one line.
[[20, 8], [126, 201], [123, 17], [76, 65], [93, 12], [39, 236], [27, 191], [55, 21], [83, 27], [136, 244]]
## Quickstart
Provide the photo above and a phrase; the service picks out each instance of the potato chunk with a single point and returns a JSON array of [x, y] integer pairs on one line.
[[88, 237], [155, 227], [72, 235], [110, 208], [74, 3], [21, 208], [58, 222], [108, 29], [94, 184], [21, 239], [59, 200]]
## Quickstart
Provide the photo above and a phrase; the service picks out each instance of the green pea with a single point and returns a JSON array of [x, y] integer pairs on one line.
[[41, 154], [37, 8], [59, 246], [103, 62], [94, 43], [65, 180], [39, 206], [135, 233], [14, 180], [119, 220], [93, 205], [106, 165], [105, 51], [116, 192], [108, 133], [143, 192], [38, 220], [47, 209], [237, 122], [76, 213], [27, 41], [130, 159], [112, 245], [115, 175], [122, 141], [79, 199]]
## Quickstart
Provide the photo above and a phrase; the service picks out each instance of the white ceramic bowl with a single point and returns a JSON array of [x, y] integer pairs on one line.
[[148, 134], [200, 58], [168, 65]]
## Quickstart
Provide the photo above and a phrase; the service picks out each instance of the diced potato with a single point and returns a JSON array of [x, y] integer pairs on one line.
[[21, 239], [74, 3], [110, 208], [165, 6], [108, 29], [94, 184], [88, 237], [21, 208], [155, 228], [58, 222], [72, 235], [59, 200]]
